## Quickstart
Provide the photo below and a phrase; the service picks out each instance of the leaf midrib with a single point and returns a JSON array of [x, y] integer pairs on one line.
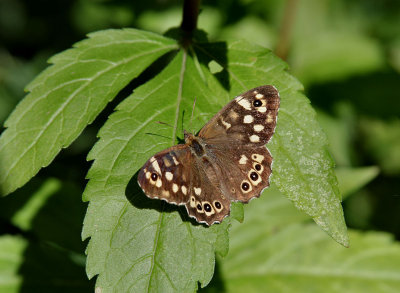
[[161, 217]]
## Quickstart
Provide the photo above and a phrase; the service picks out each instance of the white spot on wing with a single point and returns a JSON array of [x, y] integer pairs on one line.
[[243, 160], [233, 115], [244, 103], [248, 119], [254, 138], [258, 127], [156, 166], [175, 188], [184, 189], [262, 109], [167, 163], [197, 190], [169, 176], [175, 160]]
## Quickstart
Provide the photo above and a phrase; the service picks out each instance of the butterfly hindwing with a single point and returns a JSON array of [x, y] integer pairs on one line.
[[170, 175], [207, 203], [246, 171], [166, 175]]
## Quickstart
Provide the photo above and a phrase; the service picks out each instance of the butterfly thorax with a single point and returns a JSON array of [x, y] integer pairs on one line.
[[195, 143]]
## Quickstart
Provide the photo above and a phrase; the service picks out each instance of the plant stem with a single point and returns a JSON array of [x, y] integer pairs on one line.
[[286, 28], [190, 13]]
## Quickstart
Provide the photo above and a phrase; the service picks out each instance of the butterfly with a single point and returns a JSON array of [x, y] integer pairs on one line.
[[227, 161]]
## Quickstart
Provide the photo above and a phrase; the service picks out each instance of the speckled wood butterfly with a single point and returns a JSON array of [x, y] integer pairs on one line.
[[227, 161]]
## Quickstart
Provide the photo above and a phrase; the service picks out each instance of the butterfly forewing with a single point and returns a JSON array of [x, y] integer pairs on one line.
[[227, 161], [250, 118]]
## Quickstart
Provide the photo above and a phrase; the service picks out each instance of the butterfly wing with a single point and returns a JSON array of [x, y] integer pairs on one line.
[[166, 175], [246, 171], [249, 119], [236, 138], [207, 203], [177, 176]]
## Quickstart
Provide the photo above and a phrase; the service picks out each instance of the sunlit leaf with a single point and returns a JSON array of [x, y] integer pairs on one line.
[[68, 95]]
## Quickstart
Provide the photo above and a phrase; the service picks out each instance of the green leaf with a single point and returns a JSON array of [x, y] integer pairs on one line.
[[273, 252], [303, 169], [50, 210], [352, 179], [340, 132], [23, 218], [140, 244], [11, 257], [69, 95], [313, 263], [382, 141]]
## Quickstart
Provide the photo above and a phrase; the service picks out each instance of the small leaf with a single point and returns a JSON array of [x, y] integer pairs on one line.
[[11, 257], [382, 140], [352, 179], [69, 95], [50, 210]]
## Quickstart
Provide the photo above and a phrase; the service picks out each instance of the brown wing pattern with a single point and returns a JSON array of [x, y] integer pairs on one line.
[[207, 202], [245, 172], [228, 161], [236, 139], [166, 175], [249, 119], [179, 177]]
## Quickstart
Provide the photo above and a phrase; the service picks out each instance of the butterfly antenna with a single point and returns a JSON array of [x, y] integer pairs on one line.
[[163, 123], [191, 117]]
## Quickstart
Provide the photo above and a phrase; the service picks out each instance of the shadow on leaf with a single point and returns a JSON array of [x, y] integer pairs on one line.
[[138, 199]]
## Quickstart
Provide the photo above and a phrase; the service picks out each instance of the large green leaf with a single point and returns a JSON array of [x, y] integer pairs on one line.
[[140, 244], [303, 169], [69, 95]]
